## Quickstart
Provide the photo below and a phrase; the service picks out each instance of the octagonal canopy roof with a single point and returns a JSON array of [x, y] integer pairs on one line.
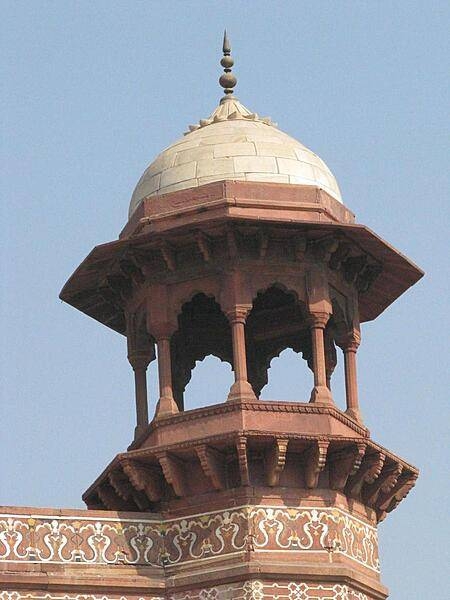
[[233, 144]]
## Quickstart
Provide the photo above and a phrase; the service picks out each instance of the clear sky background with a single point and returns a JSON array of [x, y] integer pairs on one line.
[[92, 91]]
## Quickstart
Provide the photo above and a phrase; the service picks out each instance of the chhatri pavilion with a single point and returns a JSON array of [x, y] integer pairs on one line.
[[238, 245]]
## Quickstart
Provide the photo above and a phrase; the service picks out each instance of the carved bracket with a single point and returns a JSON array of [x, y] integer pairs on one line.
[[300, 244], [130, 268], [353, 266], [168, 254], [174, 471], [275, 461], [203, 245], [367, 277], [368, 472], [123, 488], [385, 483], [144, 478], [344, 463], [121, 485], [232, 244], [339, 255], [213, 465], [241, 447], [111, 499], [315, 458], [404, 484], [390, 500], [323, 248], [263, 243]]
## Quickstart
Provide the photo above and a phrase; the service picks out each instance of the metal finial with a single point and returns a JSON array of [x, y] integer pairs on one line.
[[227, 80], [226, 48]]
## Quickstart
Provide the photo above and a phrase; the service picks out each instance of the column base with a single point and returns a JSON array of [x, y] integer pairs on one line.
[[166, 406], [322, 395], [354, 414], [139, 430], [241, 390]]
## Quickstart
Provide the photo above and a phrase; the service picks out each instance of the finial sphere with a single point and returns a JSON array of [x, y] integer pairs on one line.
[[227, 80], [227, 62]]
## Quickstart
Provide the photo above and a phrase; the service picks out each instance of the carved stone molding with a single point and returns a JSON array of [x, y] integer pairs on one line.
[[268, 406]]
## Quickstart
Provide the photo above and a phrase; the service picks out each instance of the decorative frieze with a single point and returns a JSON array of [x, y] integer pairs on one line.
[[258, 590], [244, 590], [153, 541], [40, 595]]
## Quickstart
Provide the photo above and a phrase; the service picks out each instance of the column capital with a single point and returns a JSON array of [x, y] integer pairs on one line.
[[349, 341], [238, 313], [140, 360], [319, 319], [163, 330], [140, 346]]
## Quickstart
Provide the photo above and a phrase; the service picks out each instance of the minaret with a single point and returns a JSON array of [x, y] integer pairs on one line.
[[238, 245]]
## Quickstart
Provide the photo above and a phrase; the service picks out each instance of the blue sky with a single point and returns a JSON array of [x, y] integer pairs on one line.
[[92, 91]]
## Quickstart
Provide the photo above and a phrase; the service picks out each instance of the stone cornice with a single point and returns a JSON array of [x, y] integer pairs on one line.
[[257, 406], [334, 461]]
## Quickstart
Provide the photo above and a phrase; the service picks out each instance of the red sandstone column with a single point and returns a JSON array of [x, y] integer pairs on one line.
[[166, 403], [320, 392], [349, 347], [241, 389], [140, 364]]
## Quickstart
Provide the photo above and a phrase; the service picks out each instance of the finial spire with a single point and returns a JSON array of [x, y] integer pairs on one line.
[[227, 80]]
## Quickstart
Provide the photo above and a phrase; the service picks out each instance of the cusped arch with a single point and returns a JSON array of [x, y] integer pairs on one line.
[[185, 291], [292, 284], [203, 330], [277, 320]]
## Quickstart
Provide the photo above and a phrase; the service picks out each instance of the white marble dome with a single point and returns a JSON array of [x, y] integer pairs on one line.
[[233, 143]]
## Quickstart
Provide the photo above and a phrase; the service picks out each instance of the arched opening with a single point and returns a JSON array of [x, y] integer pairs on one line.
[[287, 380], [203, 330], [277, 321], [210, 383]]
